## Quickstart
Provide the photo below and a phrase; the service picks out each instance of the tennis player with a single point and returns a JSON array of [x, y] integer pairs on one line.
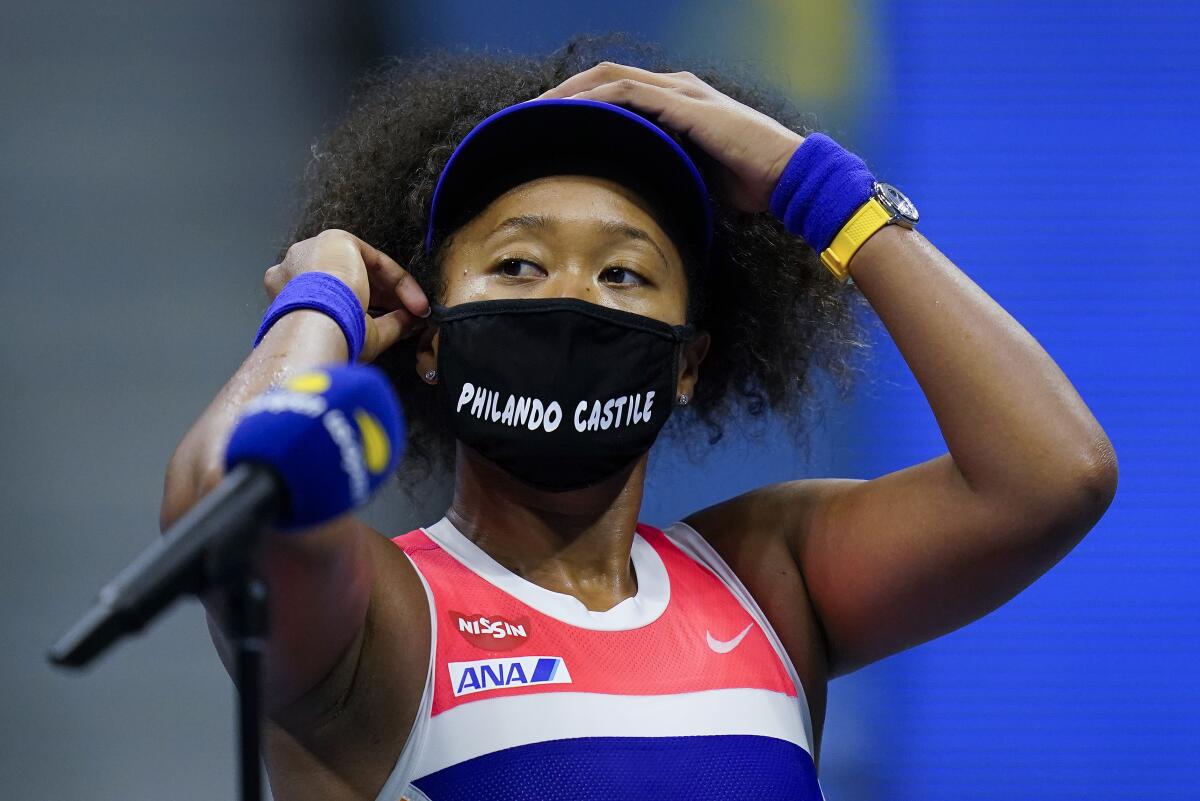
[[588, 250]]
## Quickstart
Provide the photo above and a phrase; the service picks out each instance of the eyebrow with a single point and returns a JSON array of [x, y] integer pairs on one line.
[[543, 222]]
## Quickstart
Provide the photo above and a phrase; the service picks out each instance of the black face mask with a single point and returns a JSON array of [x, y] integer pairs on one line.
[[560, 393]]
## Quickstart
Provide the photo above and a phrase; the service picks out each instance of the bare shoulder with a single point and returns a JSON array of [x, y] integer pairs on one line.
[[344, 744], [754, 533]]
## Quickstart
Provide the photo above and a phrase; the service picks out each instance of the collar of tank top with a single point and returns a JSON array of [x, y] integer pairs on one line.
[[654, 587]]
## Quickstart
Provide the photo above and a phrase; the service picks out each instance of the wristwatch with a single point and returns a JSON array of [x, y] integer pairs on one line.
[[887, 205]]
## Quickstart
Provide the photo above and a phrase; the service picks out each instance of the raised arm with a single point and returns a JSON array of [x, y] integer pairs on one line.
[[320, 581], [903, 558], [911, 555]]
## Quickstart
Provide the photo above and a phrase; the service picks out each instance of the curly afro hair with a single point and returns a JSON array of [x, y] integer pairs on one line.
[[781, 318]]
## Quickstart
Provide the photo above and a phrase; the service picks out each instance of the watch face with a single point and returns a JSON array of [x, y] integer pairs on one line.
[[897, 202]]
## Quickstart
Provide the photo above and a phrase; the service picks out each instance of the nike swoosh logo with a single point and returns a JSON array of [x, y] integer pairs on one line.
[[728, 645]]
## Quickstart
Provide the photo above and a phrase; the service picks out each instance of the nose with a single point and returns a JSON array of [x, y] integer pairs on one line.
[[569, 281]]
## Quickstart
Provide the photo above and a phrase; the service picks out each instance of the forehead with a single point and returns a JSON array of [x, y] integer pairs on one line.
[[586, 203]]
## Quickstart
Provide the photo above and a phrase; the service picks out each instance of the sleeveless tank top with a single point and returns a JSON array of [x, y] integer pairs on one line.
[[682, 691]]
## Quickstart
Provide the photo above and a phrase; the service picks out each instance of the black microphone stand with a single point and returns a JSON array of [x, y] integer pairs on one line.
[[210, 549], [248, 625]]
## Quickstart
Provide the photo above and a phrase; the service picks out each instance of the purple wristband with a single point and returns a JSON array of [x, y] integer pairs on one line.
[[325, 293], [821, 187]]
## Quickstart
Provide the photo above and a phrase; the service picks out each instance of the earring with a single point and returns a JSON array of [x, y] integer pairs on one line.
[[430, 376], [683, 399]]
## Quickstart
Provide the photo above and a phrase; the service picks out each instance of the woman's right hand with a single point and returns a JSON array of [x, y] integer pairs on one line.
[[377, 280]]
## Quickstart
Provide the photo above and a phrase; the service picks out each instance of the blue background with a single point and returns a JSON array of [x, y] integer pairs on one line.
[[1053, 149], [147, 173]]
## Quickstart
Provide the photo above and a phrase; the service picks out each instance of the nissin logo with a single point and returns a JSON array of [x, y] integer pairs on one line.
[[491, 632], [493, 674]]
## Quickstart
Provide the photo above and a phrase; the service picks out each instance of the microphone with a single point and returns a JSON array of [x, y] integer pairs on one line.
[[301, 454]]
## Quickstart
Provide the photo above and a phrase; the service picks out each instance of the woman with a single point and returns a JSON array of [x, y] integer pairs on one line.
[[538, 642]]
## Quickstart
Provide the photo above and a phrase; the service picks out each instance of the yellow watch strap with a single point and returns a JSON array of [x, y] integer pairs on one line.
[[870, 217]]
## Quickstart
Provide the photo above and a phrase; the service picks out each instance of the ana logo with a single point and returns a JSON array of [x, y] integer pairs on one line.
[[491, 632], [494, 674]]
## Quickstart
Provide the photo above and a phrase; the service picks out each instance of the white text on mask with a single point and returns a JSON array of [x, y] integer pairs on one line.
[[615, 412], [518, 411], [533, 413]]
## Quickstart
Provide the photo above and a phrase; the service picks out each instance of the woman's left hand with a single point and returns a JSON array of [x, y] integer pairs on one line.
[[750, 148]]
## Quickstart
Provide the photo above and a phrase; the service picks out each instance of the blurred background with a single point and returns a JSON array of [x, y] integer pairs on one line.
[[149, 154]]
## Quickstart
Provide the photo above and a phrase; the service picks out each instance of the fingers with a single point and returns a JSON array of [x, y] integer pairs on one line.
[[392, 280], [608, 72], [665, 105], [274, 279], [388, 329], [673, 99], [397, 305]]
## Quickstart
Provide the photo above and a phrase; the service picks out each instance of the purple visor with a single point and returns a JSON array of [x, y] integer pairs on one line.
[[568, 136]]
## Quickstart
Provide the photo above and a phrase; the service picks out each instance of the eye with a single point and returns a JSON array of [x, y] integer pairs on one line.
[[519, 268], [621, 276]]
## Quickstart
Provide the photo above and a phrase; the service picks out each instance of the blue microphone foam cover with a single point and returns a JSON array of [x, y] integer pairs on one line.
[[331, 435]]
